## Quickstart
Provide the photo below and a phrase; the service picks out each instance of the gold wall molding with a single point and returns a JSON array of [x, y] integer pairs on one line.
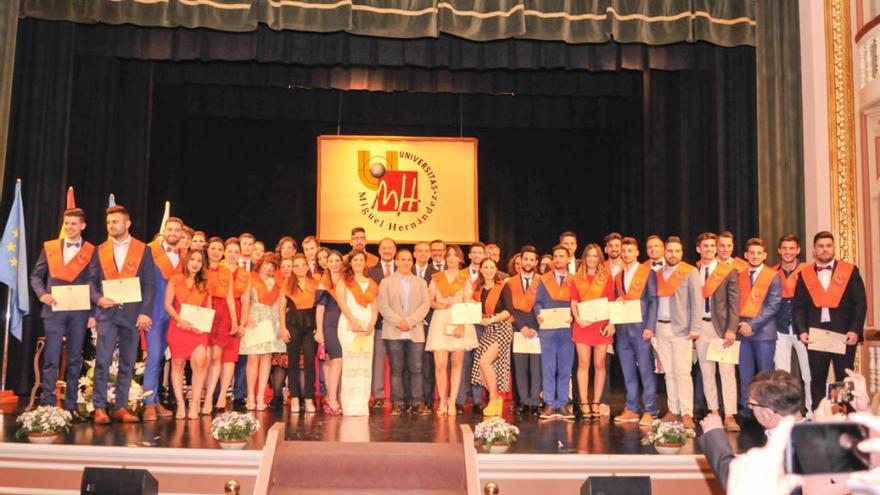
[[841, 126]]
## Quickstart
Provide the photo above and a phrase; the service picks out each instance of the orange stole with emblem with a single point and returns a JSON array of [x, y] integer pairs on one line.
[[363, 297], [218, 280], [557, 292], [751, 304], [163, 262], [789, 283], [721, 271], [264, 295], [303, 299], [492, 300], [637, 284], [131, 264], [329, 286], [447, 289], [590, 288], [666, 288], [55, 259], [523, 300], [830, 298], [740, 264], [188, 295]]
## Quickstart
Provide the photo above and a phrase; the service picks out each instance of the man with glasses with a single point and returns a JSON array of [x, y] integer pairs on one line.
[[772, 396]]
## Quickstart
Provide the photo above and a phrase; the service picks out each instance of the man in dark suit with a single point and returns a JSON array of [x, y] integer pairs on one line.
[[760, 293], [121, 256], [63, 262], [383, 268], [523, 289], [830, 295], [772, 396], [438, 255], [424, 268], [637, 282]]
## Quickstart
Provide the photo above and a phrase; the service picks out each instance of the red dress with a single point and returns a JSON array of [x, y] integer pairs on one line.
[[584, 289], [220, 331], [183, 342]]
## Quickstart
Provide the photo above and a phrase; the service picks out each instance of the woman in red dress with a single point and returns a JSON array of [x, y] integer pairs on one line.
[[185, 341], [591, 337], [225, 328]]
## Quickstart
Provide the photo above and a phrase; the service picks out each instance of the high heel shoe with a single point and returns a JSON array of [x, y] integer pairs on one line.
[[294, 405], [450, 407], [310, 406], [494, 408], [441, 409], [249, 404], [586, 414], [261, 403], [181, 412]]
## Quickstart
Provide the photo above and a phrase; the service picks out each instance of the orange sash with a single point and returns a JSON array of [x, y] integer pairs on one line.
[[447, 289], [163, 262], [740, 264], [264, 295], [789, 283], [721, 271], [589, 289], [523, 301], [329, 286], [830, 298], [186, 294], [637, 284], [218, 280], [132, 262], [372, 259], [751, 298], [665, 287], [55, 260], [304, 299], [556, 292], [364, 298], [492, 300]]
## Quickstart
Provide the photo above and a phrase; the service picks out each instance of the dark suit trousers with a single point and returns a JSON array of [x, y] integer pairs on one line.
[[73, 325], [302, 341], [819, 369], [110, 334], [527, 372]]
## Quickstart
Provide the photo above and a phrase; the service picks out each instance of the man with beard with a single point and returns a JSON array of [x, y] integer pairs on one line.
[[527, 367]]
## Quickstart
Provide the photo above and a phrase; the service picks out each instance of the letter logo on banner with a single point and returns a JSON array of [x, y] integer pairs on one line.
[[407, 188]]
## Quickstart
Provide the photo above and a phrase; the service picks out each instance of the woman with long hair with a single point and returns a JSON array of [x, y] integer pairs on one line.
[[591, 337], [545, 264], [280, 365], [184, 340], [446, 341], [286, 247], [327, 314], [356, 296], [491, 367], [514, 265], [298, 330], [261, 337]]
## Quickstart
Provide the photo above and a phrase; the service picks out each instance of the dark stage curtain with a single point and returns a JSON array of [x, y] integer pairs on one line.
[[233, 147], [657, 22]]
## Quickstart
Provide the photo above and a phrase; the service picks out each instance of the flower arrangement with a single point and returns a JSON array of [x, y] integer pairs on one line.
[[667, 434], [495, 431], [44, 420], [234, 426]]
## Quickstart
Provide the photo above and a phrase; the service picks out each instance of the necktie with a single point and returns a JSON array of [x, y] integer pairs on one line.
[[387, 269], [526, 282], [706, 301], [71, 244], [561, 279], [752, 274]]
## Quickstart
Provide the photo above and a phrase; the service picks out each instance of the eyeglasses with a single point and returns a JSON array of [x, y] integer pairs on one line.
[[753, 405]]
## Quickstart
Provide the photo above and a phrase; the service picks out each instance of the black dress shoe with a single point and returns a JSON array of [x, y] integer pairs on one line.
[[239, 404], [548, 412], [535, 410], [459, 409], [396, 410], [522, 410]]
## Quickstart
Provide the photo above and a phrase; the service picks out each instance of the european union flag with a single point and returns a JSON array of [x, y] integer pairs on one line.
[[13, 263]]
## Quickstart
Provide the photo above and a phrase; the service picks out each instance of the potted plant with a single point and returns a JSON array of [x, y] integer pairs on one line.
[[44, 424], [496, 435], [667, 438], [232, 429]]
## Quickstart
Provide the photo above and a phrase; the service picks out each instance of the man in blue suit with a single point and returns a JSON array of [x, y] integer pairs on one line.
[[760, 298], [121, 256], [63, 262], [637, 282]]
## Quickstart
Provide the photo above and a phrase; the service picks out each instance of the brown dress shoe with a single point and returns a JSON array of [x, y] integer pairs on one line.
[[626, 417], [101, 417], [670, 417], [688, 421], [421, 409], [730, 423], [124, 416], [647, 419], [162, 411], [150, 413]]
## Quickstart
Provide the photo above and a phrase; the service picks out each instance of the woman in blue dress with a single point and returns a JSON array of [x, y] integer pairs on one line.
[[327, 320]]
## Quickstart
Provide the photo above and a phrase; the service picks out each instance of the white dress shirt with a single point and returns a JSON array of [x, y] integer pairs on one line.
[[707, 268], [387, 268], [628, 274], [420, 270], [572, 265], [657, 267], [69, 251], [120, 251], [473, 272], [615, 267], [663, 311], [825, 280], [173, 255]]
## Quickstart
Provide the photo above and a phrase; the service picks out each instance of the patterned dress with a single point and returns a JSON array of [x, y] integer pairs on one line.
[[261, 312], [500, 333]]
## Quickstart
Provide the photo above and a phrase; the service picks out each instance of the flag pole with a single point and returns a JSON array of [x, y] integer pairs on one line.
[[6, 339]]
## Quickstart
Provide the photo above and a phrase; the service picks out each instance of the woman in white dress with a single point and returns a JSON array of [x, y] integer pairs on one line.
[[447, 288], [357, 301]]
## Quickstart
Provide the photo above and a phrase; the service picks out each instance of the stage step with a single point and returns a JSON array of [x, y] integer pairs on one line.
[[369, 468]]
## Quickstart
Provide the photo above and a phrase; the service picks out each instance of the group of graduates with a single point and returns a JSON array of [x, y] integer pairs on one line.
[[334, 319]]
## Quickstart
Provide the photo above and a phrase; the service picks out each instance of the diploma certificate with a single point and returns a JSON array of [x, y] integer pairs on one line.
[[466, 313], [593, 310], [555, 318], [523, 345], [826, 341], [719, 354], [123, 290], [201, 318], [622, 312], [71, 298]]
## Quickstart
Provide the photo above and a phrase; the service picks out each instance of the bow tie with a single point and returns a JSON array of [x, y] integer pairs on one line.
[[656, 263], [820, 268], [72, 244], [169, 249]]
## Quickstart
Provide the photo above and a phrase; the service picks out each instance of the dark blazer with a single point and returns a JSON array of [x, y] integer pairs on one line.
[[848, 316], [718, 452], [42, 282], [522, 318], [764, 323], [649, 307], [376, 273], [429, 271], [725, 303], [129, 312]]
